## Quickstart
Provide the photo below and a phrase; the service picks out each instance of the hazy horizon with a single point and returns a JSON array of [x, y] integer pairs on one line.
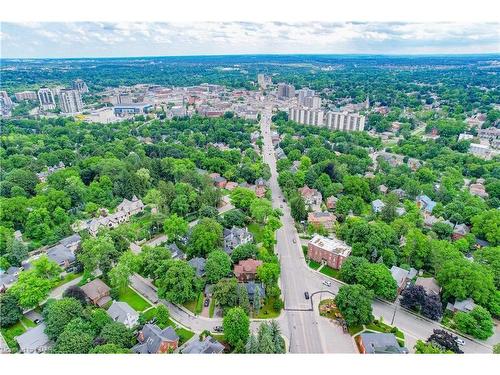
[[51, 40]]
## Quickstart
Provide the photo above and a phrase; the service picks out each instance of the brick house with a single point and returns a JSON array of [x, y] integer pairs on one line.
[[312, 197], [331, 202], [97, 292], [331, 252], [153, 340], [324, 219], [246, 270]]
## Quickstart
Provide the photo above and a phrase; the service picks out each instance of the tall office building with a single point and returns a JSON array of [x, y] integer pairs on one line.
[[6, 100], [285, 91], [70, 101], [340, 121], [46, 99], [303, 94], [80, 86]]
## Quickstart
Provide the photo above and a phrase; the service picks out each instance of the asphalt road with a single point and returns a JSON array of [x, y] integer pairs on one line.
[[307, 332]]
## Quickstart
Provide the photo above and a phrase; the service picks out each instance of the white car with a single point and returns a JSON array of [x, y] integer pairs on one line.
[[460, 341], [327, 283]]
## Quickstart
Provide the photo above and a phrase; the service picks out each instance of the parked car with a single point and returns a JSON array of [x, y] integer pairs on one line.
[[306, 295], [294, 240], [327, 283], [218, 329], [207, 302], [460, 341], [37, 321]]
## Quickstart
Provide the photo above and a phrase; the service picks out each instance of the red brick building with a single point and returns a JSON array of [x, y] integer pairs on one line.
[[246, 270], [331, 252]]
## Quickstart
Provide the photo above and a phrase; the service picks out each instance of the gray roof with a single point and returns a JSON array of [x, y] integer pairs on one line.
[[153, 337], [176, 252], [199, 265], [34, 340], [208, 346], [70, 240], [119, 311], [252, 286], [399, 274], [60, 254], [381, 343], [10, 276]]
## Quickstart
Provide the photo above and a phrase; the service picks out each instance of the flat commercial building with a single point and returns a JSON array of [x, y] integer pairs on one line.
[[132, 109], [71, 101], [331, 252], [341, 121]]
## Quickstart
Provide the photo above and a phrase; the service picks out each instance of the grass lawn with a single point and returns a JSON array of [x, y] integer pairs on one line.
[[11, 332], [256, 230], [133, 299], [67, 279], [314, 265], [355, 330], [267, 311], [195, 306], [384, 328], [184, 335], [28, 323], [211, 309], [149, 314], [328, 271]]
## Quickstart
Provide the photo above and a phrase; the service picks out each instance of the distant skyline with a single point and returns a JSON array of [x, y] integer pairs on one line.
[[134, 39]]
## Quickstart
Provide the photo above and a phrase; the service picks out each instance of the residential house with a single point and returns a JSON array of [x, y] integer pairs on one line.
[[402, 276], [312, 197], [72, 242], [123, 313], [199, 265], [280, 154], [331, 202], [153, 340], [235, 237], [260, 191], [324, 219], [377, 205], [330, 251], [429, 284], [97, 292], [383, 189], [466, 305], [252, 288], [400, 193], [295, 166], [220, 182], [414, 164], [459, 231], [61, 255], [34, 340], [425, 203], [231, 185], [132, 207], [176, 252], [379, 343], [209, 345], [479, 190], [246, 270]]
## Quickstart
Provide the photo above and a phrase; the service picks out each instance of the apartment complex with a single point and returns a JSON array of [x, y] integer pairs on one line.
[[46, 99], [70, 101], [80, 86], [25, 95], [331, 252], [285, 91], [342, 121]]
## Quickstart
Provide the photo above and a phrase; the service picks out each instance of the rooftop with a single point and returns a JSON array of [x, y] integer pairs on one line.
[[333, 245]]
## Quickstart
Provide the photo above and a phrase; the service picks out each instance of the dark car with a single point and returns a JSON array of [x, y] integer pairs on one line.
[[218, 329], [207, 302], [37, 321], [306, 294]]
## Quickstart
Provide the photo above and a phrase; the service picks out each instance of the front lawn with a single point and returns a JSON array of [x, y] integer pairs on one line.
[[11, 332], [256, 230], [184, 335], [28, 323], [267, 311], [354, 330], [133, 299], [196, 305], [314, 265], [67, 279], [328, 271], [211, 309]]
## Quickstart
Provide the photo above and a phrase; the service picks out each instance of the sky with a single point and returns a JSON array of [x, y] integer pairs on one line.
[[121, 39]]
